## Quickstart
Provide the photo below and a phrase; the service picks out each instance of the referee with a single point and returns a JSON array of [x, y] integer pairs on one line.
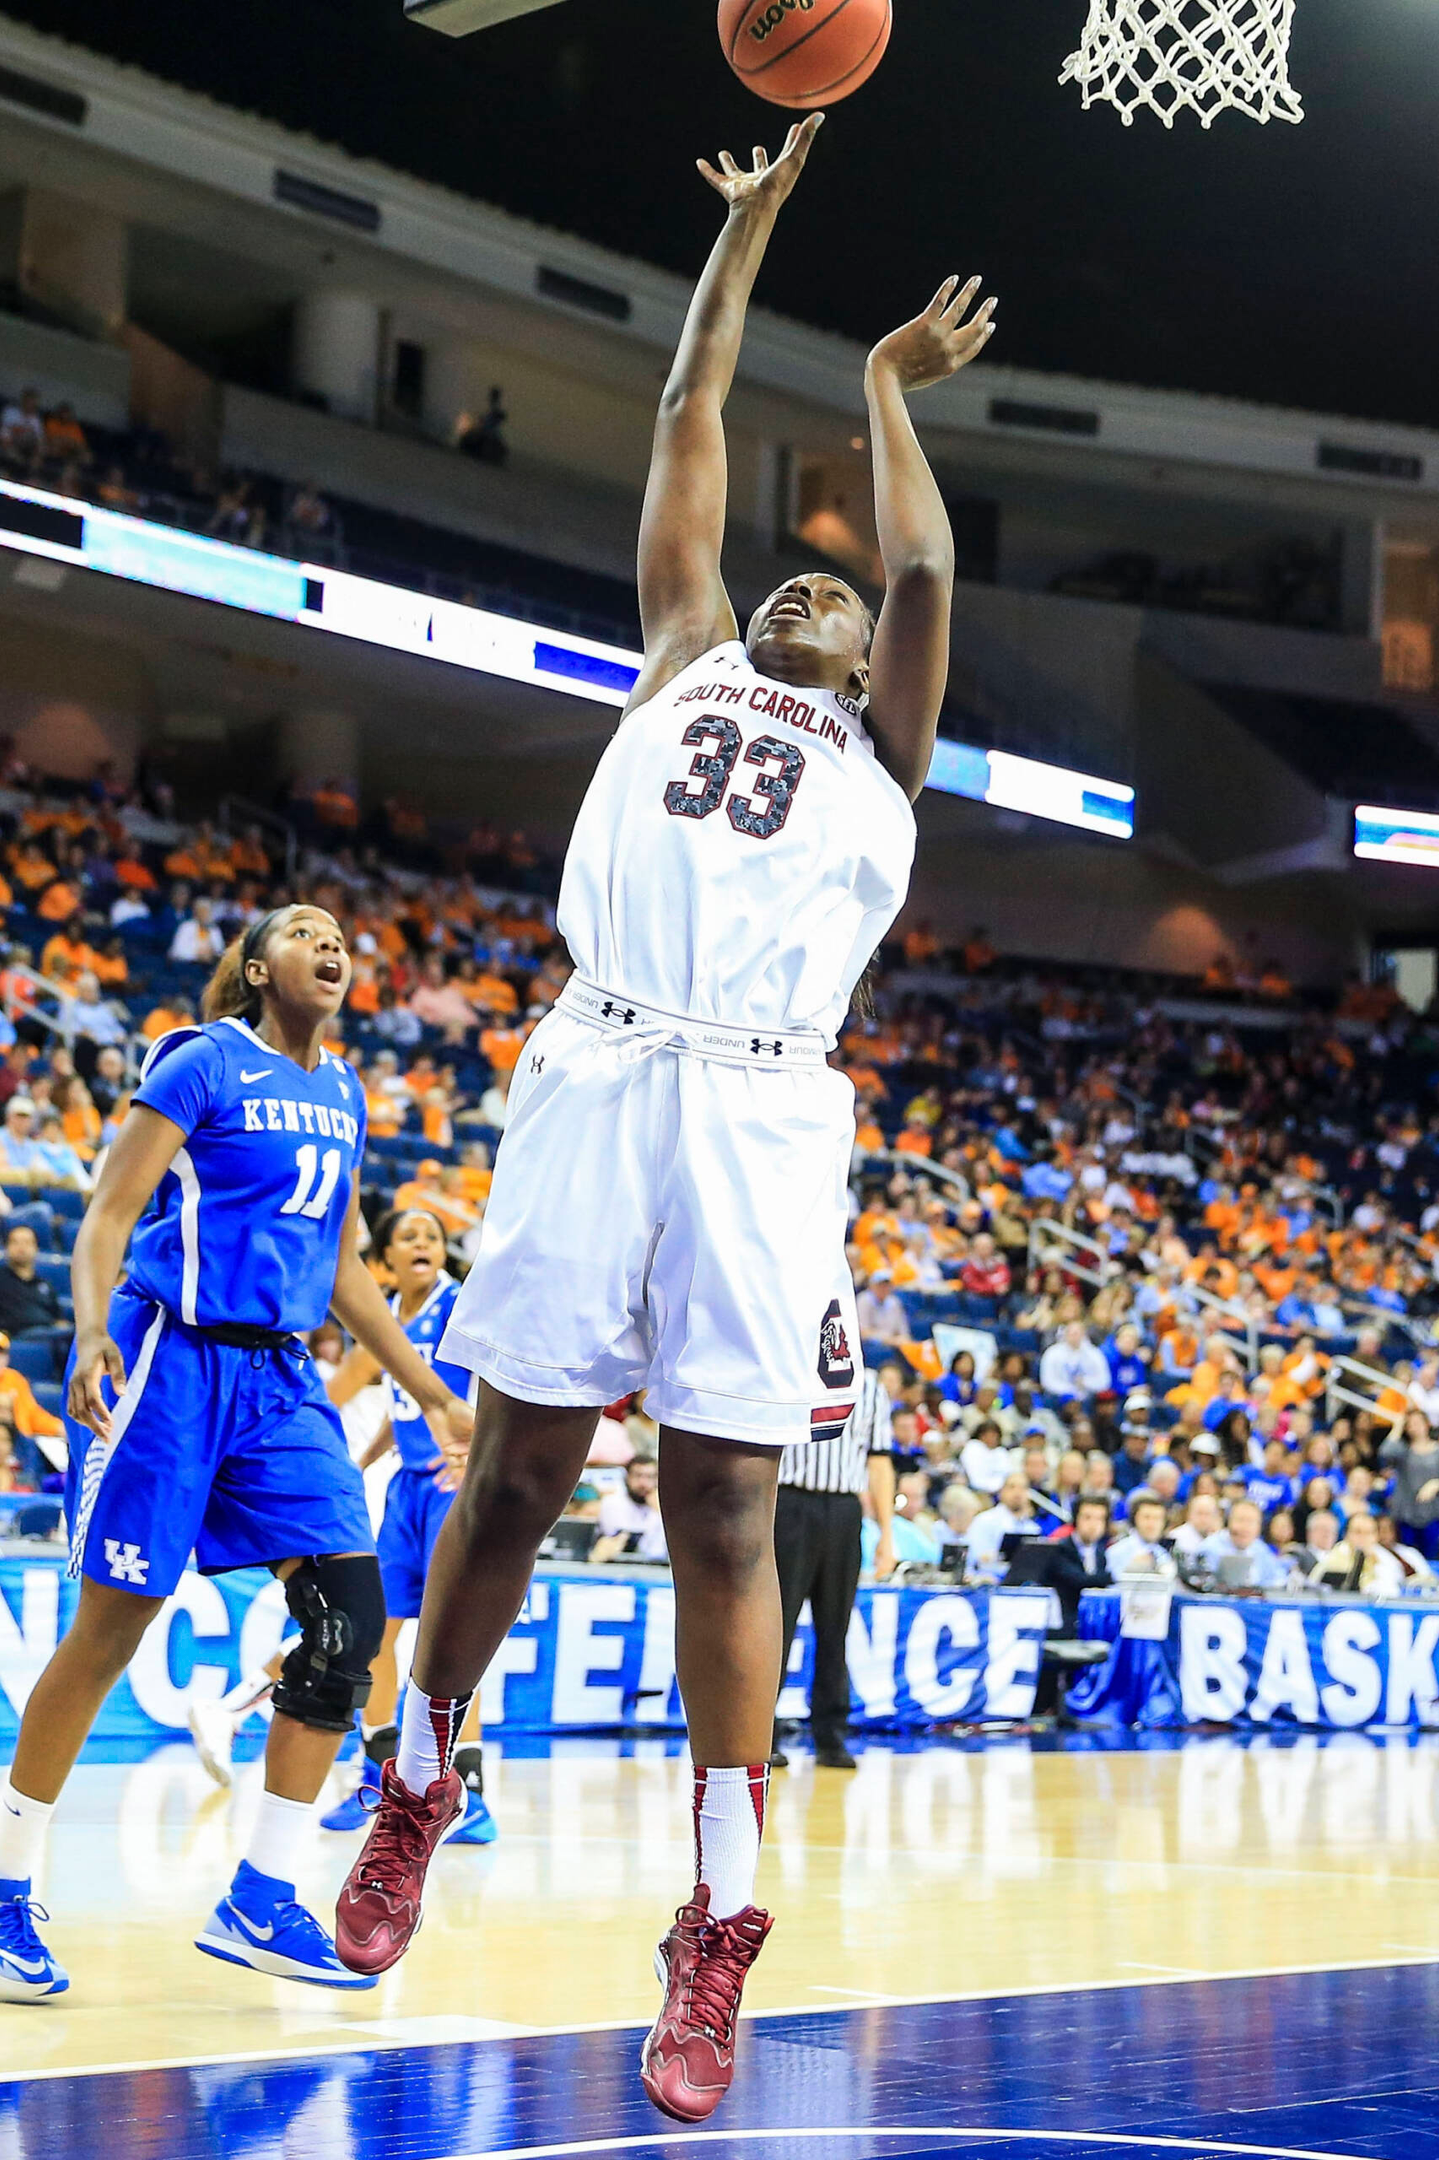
[[816, 1541]]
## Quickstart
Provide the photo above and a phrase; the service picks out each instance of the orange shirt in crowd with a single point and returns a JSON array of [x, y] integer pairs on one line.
[[57, 902], [64, 958]]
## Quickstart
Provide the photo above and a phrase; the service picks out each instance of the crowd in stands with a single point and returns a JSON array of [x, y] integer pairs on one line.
[[137, 471], [1161, 1245], [1177, 1258]]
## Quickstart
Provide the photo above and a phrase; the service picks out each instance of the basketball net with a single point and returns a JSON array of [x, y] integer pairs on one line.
[[1206, 54]]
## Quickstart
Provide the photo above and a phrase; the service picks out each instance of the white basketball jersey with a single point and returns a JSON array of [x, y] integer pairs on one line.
[[740, 852]]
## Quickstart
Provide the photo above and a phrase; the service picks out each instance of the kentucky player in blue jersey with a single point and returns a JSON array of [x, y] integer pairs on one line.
[[411, 1243], [196, 1420]]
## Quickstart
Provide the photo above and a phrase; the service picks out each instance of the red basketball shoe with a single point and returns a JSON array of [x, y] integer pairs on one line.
[[687, 2062], [379, 1907]]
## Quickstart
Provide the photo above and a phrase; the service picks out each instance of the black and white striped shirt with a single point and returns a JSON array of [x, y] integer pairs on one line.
[[837, 1459]]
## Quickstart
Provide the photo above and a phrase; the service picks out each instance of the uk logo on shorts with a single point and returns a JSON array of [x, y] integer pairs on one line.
[[124, 1562], [836, 1360]]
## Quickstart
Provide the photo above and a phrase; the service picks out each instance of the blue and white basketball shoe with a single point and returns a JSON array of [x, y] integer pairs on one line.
[[478, 1826], [261, 1924], [28, 1973], [357, 1809]]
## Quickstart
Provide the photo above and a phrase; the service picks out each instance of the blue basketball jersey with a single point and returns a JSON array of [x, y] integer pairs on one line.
[[246, 1224], [413, 1438]]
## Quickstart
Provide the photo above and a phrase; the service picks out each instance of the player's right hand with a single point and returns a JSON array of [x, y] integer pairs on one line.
[[766, 186], [96, 1358]]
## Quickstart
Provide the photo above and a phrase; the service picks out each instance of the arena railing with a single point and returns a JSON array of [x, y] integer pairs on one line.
[[1100, 1272], [253, 813], [1337, 1389]]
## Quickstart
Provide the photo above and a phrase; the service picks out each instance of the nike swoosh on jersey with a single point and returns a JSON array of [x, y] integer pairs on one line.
[[248, 1927], [263, 1074]]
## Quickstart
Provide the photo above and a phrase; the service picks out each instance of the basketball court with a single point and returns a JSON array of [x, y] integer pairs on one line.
[[1238, 1934]]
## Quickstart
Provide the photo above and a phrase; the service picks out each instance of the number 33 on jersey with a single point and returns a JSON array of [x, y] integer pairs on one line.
[[246, 1224], [740, 852]]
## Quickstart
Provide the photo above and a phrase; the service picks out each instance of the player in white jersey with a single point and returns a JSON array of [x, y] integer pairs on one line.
[[668, 1209]]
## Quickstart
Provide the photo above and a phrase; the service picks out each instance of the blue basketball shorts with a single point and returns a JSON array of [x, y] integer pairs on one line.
[[415, 1508], [233, 1454]]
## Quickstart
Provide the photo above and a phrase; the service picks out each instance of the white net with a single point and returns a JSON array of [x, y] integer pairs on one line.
[[1209, 55]]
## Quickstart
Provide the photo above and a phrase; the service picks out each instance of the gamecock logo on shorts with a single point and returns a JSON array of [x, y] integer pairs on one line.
[[836, 1359]]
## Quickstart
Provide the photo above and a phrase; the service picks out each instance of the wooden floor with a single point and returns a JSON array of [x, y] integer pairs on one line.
[[966, 1869]]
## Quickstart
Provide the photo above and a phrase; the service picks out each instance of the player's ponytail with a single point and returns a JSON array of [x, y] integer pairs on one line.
[[227, 995]]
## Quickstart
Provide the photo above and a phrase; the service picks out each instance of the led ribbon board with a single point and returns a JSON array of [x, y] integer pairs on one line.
[[1406, 836], [1046, 791], [373, 613]]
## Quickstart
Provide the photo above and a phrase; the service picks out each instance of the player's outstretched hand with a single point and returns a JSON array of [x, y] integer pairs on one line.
[[95, 1361], [765, 186], [940, 341]]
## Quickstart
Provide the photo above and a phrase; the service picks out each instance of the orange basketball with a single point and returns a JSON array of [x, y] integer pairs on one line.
[[804, 52]]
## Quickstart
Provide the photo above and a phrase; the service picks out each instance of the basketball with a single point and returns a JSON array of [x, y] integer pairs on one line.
[[804, 52]]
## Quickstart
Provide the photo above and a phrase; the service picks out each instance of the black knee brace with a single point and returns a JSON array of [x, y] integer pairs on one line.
[[340, 1606]]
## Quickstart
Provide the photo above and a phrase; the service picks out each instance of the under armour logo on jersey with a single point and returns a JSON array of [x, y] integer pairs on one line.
[[775, 1049], [626, 1013], [124, 1561], [537, 1064]]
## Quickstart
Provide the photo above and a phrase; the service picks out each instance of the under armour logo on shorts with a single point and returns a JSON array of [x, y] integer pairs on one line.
[[627, 1013], [775, 1049], [124, 1561]]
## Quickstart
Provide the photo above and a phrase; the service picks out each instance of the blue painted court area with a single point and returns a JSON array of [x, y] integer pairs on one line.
[[1330, 2064]]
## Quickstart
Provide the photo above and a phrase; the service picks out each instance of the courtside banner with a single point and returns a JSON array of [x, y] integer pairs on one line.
[[588, 1653], [1334, 1664]]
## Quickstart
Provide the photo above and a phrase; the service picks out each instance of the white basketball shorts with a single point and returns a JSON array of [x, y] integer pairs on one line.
[[669, 1219]]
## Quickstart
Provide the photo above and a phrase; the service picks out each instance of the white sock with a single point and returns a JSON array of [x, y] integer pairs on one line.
[[246, 1692], [729, 1821], [429, 1730], [278, 1837], [23, 1825]]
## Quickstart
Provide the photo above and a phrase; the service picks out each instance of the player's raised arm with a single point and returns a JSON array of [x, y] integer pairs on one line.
[[909, 659], [683, 604]]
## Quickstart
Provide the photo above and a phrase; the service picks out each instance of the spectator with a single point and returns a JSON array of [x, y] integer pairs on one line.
[[1073, 1368], [22, 431], [882, 1318], [22, 1156], [198, 940], [1131, 1464], [1012, 1515], [24, 1413], [1080, 1561], [484, 439], [28, 1304], [1142, 1550], [439, 1003], [1413, 1455], [1239, 1554], [630, 1522], [958, 1508], [1359, 1564], [985, 1274], [65, 441], [1202, 1521], [1414, 1566], [985, 1460]]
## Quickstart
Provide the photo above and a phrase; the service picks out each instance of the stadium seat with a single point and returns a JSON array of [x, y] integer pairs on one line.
[[50, 1396], [34, 1356], [54, 1268], [69, 1204]]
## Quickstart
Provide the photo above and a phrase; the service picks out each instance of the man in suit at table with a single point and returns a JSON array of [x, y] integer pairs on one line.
[[1078, 1562]]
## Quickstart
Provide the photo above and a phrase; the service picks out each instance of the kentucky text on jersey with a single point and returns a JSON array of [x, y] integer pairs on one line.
[[279, 1113], [774, 704], [246, 1223]]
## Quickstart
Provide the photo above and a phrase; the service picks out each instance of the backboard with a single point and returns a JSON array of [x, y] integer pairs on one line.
[[458, 18]]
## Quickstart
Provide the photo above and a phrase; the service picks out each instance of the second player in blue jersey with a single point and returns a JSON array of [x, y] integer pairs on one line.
[[196, 1422], [411, 1245]]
